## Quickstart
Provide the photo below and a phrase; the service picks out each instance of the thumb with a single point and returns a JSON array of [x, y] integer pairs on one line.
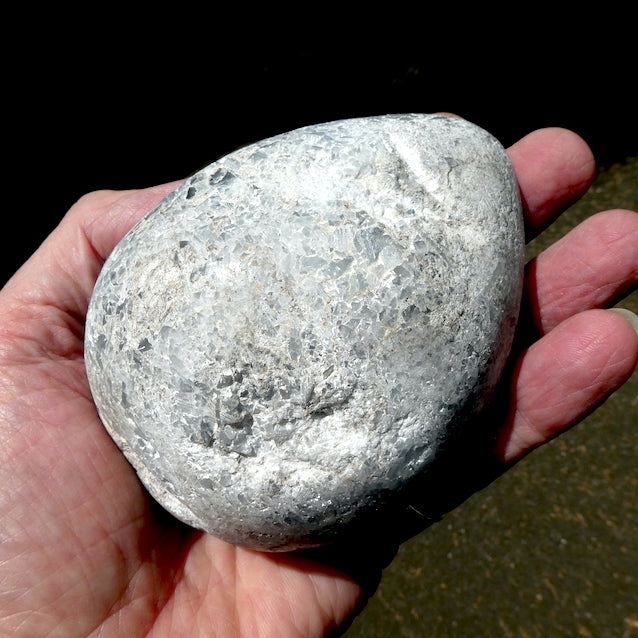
[[62, 272]]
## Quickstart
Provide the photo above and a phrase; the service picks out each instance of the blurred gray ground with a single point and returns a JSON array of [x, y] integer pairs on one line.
[[551, 548]]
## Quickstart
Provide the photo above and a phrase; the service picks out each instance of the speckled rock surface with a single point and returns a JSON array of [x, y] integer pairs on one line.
[[288, 339]]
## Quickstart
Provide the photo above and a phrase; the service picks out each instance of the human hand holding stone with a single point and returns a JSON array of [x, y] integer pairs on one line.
[[85, 550]]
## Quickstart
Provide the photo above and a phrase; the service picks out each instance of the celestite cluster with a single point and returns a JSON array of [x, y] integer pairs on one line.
[[290, 337]]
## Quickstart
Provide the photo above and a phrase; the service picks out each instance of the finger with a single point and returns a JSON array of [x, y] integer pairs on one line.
[[106, 216], [563, 376], [554, 167], [593, 266]]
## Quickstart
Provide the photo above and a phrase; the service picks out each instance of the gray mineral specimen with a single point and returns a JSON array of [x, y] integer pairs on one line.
[[290, 337]]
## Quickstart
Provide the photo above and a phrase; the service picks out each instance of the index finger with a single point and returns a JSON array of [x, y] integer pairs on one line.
[[554, 168]]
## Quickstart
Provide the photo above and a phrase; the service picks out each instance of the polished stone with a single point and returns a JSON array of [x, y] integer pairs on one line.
[[291, 337]]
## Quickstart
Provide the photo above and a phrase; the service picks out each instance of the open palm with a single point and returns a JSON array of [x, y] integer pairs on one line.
[[85, 551]]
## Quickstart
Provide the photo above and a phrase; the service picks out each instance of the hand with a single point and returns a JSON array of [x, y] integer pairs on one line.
[[84, 550]]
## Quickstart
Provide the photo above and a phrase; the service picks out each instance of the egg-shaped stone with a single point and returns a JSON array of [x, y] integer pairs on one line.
[[290, 338]]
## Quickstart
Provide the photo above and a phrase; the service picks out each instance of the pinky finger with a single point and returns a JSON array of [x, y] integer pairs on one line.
[[565, 375]]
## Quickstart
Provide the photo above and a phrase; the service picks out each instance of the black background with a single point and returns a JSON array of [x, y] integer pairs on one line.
[[123, 101]]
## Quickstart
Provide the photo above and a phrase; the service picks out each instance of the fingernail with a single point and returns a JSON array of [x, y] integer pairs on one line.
[[631, 317]]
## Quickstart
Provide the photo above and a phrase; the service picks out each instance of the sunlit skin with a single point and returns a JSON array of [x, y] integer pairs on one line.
[[85, 552]]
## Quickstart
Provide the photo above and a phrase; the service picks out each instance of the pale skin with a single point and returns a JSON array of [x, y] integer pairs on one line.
[[85, 552]]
